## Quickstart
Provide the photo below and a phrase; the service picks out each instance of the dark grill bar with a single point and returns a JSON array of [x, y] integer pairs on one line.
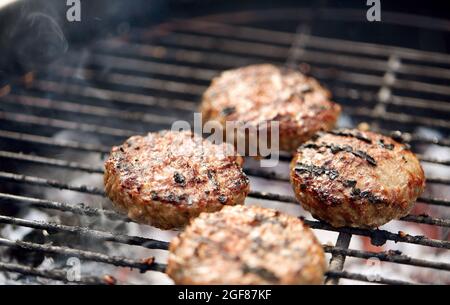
[[261, 195], [338, 259], [99, 235], [87, 109], [420, 240], [158, 76], [93, 212], [388, 257], [161, 245], [357, 111], [58, 275], [143, 265], [35, 139], [50, 183], [123, 97], [364, 278], [121, 133]]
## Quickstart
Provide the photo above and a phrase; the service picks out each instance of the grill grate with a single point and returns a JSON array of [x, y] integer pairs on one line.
[[120, 87]]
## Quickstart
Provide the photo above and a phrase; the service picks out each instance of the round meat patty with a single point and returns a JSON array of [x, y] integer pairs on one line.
[[246, 245], [263, 93], [166, 178], [357, 179]]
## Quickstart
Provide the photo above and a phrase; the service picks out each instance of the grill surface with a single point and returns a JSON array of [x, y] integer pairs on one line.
[[149, 78]]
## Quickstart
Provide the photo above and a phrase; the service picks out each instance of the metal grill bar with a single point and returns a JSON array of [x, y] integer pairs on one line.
[[432, 160], [99, 170], [370, 96], [46, 84], [291, 199], [64, 124], [365, 278], [128, 80], [95, 74], [77, 209], [94, 234], [154, 68], [55, 274], [143, 265], [56, 123], [414, 102], [112, 95], [51, 162], [438, 180], [367, 113], [356, 111], [24, 137], [381, 236], [389, 256], [116, 132], [260, 195], [341, 92], [352, 77], [338, 259], [31, 138], [280, 177], [276, 52], [87, 109], [318, 225], [286, 38], [88, 211], [406, 119], [154, 51], [434, 201], [280, 53], [288, 158], [435, 141], [50, 183], [419, 103], [426, 219]]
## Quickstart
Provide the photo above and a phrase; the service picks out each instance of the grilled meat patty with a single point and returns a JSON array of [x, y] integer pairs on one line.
[[357, 179], [263, 93], [246, 245], [166, 178]]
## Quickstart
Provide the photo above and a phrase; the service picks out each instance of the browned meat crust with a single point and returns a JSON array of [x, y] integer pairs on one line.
[[354, 178], [246, 245], [261, 93], [164, 179]]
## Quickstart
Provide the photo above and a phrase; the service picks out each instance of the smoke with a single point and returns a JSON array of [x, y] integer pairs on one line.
[[39, 39]]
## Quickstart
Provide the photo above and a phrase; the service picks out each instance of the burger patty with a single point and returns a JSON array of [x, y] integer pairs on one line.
[[357, 179], [166, 178], [263, 93], [246, 245]]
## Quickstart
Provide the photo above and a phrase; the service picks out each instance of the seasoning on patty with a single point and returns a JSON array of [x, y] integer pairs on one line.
[[355, 178], [262, 93], [167, 178], [246, 245]]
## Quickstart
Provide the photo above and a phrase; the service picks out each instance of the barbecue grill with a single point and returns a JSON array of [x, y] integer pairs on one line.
[[58, 121]]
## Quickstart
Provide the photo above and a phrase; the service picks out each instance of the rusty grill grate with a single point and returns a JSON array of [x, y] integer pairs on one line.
[[149, 78]]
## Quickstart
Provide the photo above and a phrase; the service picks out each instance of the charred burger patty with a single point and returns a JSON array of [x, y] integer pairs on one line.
[[262, 93], [354, 178], [166, 178], [246, 245]]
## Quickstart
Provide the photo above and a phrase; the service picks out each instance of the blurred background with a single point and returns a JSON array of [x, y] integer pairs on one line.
[[37, 30]]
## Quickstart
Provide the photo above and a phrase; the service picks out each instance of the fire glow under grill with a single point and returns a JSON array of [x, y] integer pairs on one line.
[[148, 79]]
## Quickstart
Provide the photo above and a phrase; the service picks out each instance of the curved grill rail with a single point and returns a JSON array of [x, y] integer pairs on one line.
[[152, 78]]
